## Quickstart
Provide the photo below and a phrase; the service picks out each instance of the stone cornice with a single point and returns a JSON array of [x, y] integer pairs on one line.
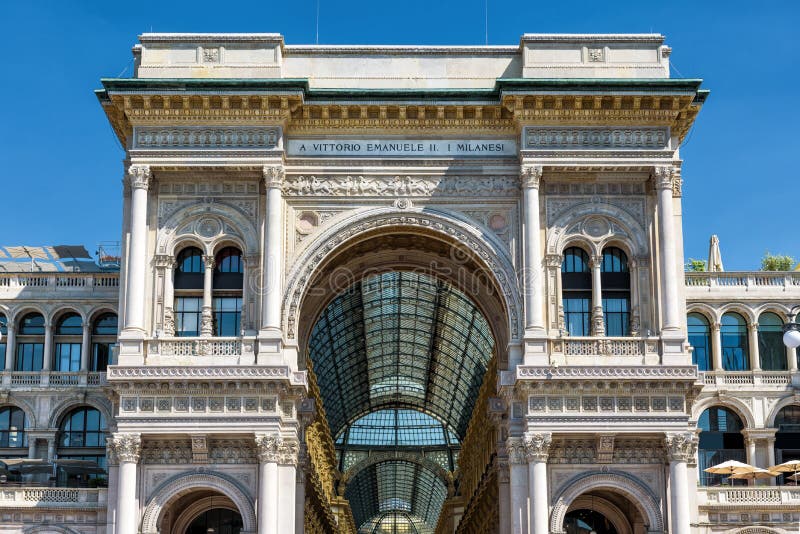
[[118, 373]]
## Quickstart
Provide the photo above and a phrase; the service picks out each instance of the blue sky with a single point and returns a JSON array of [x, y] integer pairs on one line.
[[60, 164]]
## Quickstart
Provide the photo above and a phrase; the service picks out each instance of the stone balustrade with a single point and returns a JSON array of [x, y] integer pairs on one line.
[[200, 350], [756, 379], [739, 282], [20, 285], [752, 496], [51, 379], [576, 350], [41, 497]]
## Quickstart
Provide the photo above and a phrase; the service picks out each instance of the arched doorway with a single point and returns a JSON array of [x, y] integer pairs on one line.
[[604, 511], [403, 329], [216, 521], [585, 521]]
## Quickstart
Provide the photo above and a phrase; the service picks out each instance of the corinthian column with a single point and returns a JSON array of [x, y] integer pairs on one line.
[[139, 180], [671, 318], [537, 449], [277, 467], [598, 322], [271, 287], [126, 448], [530, 177], [518, 484], [681, 448]]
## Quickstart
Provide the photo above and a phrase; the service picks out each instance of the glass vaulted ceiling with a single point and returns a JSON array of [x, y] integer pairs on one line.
[[399, 359]]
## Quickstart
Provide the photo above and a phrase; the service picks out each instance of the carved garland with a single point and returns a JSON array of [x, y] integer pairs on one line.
[[489, 252]]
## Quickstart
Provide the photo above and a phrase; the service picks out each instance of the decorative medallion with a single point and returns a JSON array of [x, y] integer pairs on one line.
[[208, 227]]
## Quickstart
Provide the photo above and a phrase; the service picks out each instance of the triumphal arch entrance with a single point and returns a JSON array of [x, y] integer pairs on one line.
[[406, 290]]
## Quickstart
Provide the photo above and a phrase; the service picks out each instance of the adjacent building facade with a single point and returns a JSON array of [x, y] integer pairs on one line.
[[398, 290]]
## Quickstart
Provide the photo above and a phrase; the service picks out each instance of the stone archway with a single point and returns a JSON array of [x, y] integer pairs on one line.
[[487, 252], [191, 512], [624, 485], [185, 484]]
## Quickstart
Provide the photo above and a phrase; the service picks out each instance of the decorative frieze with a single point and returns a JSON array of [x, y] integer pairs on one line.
[[565, 138], [200, 404], [560, 404], [167, 452], [414, 186], [204, 138]]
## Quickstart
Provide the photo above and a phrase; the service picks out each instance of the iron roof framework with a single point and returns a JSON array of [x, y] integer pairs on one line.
[[413, 494], [399, 359]]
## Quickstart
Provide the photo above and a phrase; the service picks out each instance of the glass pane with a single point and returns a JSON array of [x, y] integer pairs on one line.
[[190, 260], [577, 316], [735, 348], [700, 340], [576, 260], [106, 325], [32, 325], [67, 357], [70, 325]]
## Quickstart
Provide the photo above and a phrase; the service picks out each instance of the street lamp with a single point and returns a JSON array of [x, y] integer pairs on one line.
[[791, 330]]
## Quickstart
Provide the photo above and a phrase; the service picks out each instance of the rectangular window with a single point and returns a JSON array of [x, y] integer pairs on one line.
[[67, 357], [29, 357], [188, 313], [227, 316], [616, 312], [577, 316], [101, 356], [3, 353]]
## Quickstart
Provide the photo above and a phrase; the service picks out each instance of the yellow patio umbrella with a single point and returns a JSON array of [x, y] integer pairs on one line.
[[753, 475], [791, 466], [730, 467]]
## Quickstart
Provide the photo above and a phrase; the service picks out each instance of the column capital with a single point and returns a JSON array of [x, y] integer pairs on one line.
[[537, 446], [138, 176], [164, 261], [554, 260], [209, 261], [662, 176], [273, 176], [516, 451], [125, 446], [271, 448], [530, 176], [595, 261], [681, 446]]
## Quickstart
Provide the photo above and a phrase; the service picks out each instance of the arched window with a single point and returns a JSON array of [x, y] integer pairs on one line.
[[82, 436], [735, 347], [721, 440], [69, 330], [104, 338], [227, 294], [189, 273], [30, 343], [4, 334], [576, 287], [700, 340], [787, 439], [771, 349], [615, 282], [12, 428]]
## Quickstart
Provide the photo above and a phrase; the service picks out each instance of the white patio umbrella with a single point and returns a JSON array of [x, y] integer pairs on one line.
[[714, 256]]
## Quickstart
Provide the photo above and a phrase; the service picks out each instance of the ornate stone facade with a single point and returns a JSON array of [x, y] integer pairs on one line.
[[575, 408]]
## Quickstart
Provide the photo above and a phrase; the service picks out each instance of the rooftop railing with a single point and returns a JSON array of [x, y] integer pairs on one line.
[[753, 496], [83, 282], [781, 379], [747, 280], [32, 497]]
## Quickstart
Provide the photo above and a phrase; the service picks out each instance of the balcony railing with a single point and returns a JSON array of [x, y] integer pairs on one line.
[[35, 379], [750, 496], [743, 280], [201, 346], [605, 346], [30, 497], [781, 379]]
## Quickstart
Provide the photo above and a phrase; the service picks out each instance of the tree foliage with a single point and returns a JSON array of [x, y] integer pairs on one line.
[[777, 262], [695, 266]]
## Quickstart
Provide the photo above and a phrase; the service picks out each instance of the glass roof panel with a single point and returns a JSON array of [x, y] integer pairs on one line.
[[396, 427], [400, 338], [396, 486]]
